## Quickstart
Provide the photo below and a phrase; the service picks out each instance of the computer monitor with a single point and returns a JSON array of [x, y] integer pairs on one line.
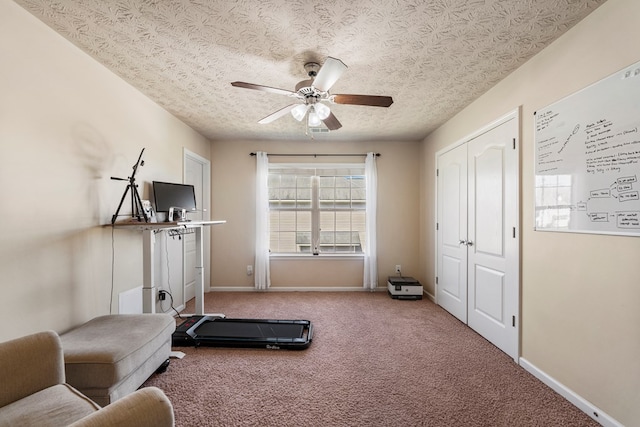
[[169, 195]]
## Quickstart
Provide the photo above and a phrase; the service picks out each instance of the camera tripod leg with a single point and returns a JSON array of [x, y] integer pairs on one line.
[[115, 215], [139, 206]]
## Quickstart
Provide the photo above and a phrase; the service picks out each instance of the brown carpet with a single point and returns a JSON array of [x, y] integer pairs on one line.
[[374, 361]]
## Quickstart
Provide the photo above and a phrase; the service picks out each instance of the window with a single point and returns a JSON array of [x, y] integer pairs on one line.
[[553, 201], [316, 209]]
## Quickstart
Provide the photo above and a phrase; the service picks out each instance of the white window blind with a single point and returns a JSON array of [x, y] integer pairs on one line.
[[317, 209]]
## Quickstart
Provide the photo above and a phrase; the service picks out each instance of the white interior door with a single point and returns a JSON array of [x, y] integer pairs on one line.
[[196, 173], [452, 229], [477, 208], [493, 250]]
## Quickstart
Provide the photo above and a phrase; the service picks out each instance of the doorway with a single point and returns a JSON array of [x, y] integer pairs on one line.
[[477, 245], [197, 172]]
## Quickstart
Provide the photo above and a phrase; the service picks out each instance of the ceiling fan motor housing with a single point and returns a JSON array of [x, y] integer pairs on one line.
[[312, 69], [307, 92], [304, 88]]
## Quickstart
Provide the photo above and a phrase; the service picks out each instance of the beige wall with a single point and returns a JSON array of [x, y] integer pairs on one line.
[[580, 319], [66, 125], [233, 244]]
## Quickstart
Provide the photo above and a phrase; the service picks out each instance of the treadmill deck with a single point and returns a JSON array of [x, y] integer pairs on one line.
[[257, 333]]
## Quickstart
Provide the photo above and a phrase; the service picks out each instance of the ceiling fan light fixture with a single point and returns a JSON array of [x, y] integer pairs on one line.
[[322, 110], [298, 112], [313, 120]]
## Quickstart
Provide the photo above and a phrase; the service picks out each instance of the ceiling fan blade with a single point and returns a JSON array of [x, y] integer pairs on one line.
[[371, 100], [331, 122], [329, 73], [263, 88], [274, 116]]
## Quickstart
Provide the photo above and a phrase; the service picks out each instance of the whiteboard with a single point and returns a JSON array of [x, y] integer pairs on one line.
[[587, 159]]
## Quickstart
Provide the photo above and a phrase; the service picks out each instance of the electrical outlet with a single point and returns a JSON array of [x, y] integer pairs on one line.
[[249, 270], [398, 269]]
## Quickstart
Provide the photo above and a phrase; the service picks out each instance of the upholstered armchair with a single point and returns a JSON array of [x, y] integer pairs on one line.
[[34, 391]]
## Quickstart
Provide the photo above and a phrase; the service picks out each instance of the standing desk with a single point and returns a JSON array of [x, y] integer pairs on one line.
[[149, 229]]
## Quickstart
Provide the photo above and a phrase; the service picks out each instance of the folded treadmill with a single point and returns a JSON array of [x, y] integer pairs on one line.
[[218, 331]]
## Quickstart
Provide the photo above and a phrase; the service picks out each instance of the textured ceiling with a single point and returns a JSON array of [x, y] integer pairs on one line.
[[434, 57]]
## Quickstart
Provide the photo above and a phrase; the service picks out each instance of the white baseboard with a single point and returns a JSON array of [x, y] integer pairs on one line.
[[431, 297], [304, 289], [293, 289], [585, 406]]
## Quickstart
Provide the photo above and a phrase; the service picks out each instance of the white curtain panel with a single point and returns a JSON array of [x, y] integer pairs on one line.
[[370, 247], [262, 275]]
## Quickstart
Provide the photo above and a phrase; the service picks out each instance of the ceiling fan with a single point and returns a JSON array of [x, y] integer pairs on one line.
[[314, 92]]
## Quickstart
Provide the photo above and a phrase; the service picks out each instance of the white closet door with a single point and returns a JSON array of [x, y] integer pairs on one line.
[[493, 257], [478, 258], [452, 230]]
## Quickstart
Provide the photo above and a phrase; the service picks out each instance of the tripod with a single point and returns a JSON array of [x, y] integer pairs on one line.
[[136, 202]]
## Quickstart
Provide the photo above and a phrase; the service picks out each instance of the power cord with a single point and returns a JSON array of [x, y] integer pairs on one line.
[[161, 295], [112, 269], [169, 292]]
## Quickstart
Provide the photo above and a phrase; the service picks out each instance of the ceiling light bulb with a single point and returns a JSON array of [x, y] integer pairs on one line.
[[299, 111], [322, 111], [314, 120]]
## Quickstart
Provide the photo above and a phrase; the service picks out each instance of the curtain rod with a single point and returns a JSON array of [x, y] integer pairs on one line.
[[317, 155]]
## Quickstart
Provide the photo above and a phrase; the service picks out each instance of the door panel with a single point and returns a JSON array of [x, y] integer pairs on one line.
[[452, 189], [452, 284], [489, 293], [489, 194], [452, 227]]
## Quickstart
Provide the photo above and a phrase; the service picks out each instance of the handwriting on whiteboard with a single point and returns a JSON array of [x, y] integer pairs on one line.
[[587, 158]]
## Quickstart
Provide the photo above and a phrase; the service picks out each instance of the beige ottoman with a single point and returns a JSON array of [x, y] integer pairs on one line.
[[111, 356]]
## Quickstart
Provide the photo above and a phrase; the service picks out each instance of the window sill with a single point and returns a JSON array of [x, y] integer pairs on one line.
[[343, 257]]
